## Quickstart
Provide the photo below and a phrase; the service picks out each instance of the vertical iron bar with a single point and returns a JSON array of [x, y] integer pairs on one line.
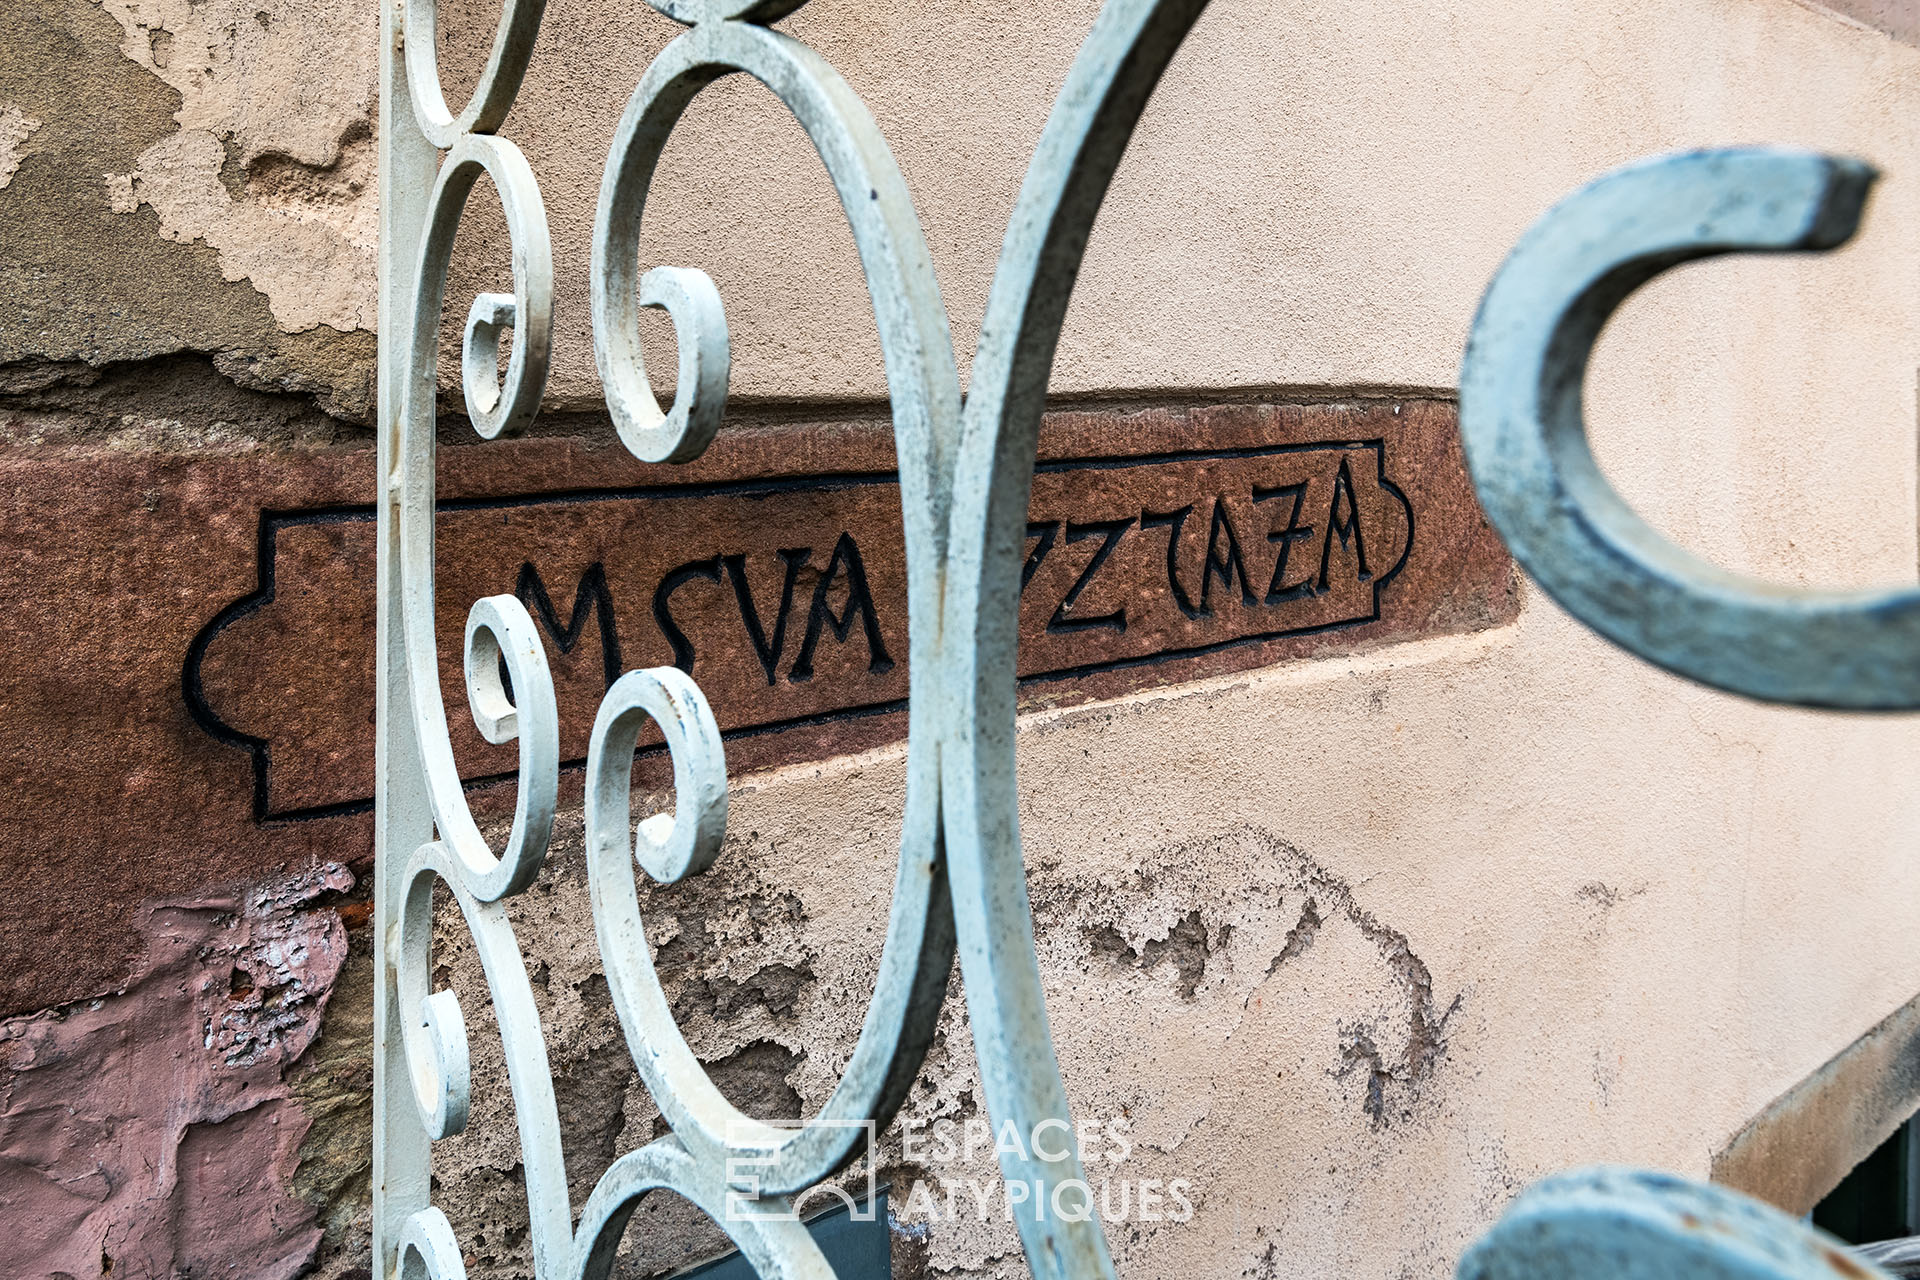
[[402, 818]]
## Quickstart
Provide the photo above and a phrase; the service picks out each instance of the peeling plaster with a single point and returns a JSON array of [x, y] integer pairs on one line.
[[273, 166], [148, 1132], [16, 126], [1213, 979]]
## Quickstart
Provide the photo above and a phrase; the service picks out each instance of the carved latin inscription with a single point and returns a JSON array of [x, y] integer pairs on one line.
[[785, 596]]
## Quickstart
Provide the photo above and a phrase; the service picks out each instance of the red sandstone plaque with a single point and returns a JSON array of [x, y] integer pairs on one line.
[[210, 663], [1152, 556]]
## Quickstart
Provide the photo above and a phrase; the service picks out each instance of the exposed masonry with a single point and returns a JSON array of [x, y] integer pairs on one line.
[[273, 166], [731, 949], [1186, 947], [1418, 1042], [151, 1132], [1301, 936], [168, 404], [1155, 978], [1426, 1032]]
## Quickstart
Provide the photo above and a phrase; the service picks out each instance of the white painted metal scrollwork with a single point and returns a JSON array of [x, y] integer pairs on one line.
[[964, 480], [966, 470], [1526, 440]]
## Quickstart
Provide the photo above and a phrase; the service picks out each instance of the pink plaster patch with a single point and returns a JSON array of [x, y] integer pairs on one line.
[[147, 1133]]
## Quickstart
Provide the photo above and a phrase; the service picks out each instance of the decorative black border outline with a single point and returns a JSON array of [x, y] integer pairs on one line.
[[271, 522]]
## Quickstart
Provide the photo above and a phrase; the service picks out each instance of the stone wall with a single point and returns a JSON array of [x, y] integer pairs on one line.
[[1356, 935]]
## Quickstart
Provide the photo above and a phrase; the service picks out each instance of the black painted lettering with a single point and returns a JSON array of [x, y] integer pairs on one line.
[[591, 596], [846, 555], [1348, 529], [1278, 592], [1173, 521], [1111, 531], [1042, 535], [663, 612], [1224, 567], [768, 651]]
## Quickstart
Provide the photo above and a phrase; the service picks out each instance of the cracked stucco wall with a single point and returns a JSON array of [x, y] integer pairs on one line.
[[1357, 947], [1277, 964], [186, 178], [1280, 989]]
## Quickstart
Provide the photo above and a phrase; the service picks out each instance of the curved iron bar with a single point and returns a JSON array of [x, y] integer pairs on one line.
[[1633, 1224], [924, 388], [1526, 442], [1527, 450], [709, 1136], [1106, 90]]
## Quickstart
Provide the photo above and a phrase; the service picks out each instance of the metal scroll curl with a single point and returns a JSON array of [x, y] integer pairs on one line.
[[1526, 441], [959, 485], [924, 388], [500, 625], [966, 471], [430, 1025], [964, 479], [696, 1161], [1527, 450]]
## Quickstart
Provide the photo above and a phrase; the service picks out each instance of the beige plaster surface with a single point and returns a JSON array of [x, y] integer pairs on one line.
[[1315, 199], [1358, 948], [16, 126], [1316, 196], [144, 222], [274, 90]]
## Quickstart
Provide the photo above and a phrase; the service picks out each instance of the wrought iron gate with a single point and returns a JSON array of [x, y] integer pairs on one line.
[[965, 470]]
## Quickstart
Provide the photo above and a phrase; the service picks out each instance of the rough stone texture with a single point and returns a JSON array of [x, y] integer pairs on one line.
[[149, 1132], [333, 1087], [101, 734], [1155, 555], [232, 611], [1805, 1141], [1898, 18], [189, 185], [1279, 985]]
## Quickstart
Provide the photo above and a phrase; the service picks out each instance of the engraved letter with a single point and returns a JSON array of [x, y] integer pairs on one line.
[[591, 594], [1223, 567], [859, 599], [1173, 520], [1112, 530], [1043, 532], [1277, 590], [1348, 529], [663, 614], [767, 651]]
